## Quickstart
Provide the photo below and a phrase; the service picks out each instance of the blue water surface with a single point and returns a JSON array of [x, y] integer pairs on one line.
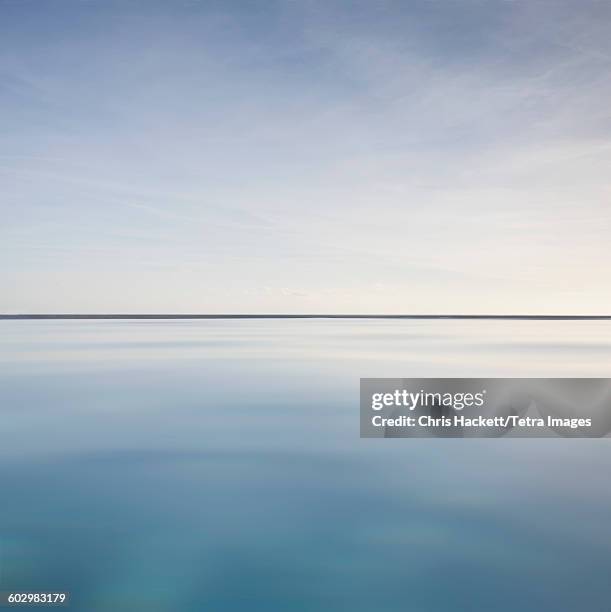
[[166, 466]]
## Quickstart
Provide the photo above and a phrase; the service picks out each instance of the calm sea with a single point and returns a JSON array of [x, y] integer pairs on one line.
[[170, 466]]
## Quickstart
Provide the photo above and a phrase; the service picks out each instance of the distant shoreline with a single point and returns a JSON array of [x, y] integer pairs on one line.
[[520, 317]]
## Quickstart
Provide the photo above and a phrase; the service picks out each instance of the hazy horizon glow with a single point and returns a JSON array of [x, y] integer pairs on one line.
[[393, 157]]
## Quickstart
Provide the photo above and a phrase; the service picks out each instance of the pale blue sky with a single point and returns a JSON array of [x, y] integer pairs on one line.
[[433, 156]]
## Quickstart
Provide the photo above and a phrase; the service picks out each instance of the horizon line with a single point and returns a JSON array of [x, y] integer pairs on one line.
[[155, 316]]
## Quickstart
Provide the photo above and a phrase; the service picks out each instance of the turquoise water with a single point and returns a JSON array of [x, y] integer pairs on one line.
[[217, 465]]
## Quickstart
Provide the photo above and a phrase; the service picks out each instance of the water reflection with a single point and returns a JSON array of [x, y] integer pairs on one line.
[[175, 465]]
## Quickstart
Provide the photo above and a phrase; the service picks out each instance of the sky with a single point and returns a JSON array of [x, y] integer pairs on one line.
[[434, 156]]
